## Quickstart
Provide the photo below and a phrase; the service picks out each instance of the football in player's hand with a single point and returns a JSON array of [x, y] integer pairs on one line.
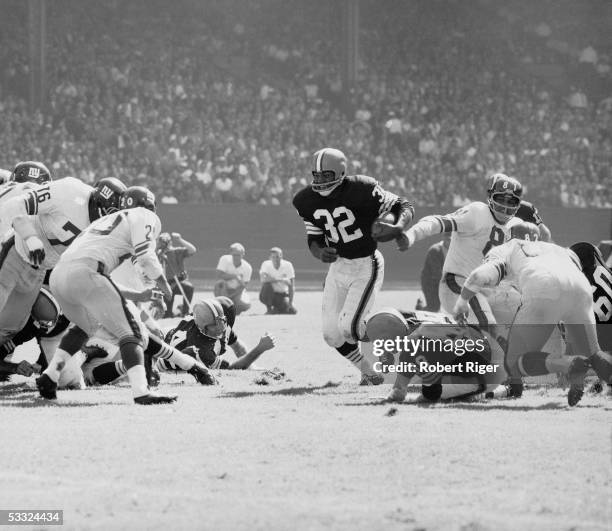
[[384, 228]]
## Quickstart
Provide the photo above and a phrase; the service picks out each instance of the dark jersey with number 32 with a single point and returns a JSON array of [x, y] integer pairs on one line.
[[345, 217]]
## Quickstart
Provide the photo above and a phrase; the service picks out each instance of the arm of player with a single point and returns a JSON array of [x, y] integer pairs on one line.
[[545, 234], [489, 274], [145, 229], [266, 342], [463, 220], [179, 241], [21, 210]]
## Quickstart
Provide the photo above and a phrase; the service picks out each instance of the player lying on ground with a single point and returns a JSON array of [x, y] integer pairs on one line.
[[99, 362], [92, 302], [207, 333], [342, 215], [199, 338], [553, 290], [475, 355]]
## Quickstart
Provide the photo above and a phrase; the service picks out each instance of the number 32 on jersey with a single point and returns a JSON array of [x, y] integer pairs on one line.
[[339, 224]]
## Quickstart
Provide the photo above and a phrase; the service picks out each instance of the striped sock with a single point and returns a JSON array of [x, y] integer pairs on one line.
[[351, 352]]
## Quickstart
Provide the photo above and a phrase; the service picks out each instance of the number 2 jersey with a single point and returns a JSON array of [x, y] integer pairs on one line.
[[121, 235], [56, 211], [343, 219]]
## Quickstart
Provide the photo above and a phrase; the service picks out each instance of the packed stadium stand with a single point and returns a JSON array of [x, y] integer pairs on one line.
[[155, 93]]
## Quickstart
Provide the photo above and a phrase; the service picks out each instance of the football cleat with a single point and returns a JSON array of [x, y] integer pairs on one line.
[[46, 387], [202, 374], [432, 392], [602, 365], [372, 379], [397, 394], [575, 374], [515, 388], [153, 398]]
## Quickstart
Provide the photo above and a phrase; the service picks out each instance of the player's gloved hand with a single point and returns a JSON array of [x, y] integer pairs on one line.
[[36, 250], [164, 287], [461, 309], [266, 342], [24, 368], [328, 255], [404, 240]]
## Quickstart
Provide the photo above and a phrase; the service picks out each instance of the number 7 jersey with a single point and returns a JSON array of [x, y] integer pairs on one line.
[[114, 238], [345, 217]]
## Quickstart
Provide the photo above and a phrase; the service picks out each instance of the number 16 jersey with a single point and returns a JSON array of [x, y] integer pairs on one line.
[[345, 217]]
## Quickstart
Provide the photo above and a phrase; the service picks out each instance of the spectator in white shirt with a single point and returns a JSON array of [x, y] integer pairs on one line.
[[233, 275], [277, 283]]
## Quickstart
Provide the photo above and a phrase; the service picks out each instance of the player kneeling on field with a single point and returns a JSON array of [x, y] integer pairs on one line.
[[452, 361]]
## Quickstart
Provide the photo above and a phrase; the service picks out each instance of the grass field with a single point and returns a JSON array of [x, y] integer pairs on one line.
[[309, 451]]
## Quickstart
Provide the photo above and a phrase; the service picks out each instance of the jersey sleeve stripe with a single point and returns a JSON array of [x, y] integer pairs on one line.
[[31, 204], [447, 224]]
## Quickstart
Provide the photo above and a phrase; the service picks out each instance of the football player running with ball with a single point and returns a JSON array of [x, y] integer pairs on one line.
[[341, 213]]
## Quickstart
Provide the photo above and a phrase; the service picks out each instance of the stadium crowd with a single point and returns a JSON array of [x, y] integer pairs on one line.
[[229, 104]]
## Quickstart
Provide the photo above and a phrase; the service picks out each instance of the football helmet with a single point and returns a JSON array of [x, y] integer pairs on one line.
[[30, 171], [106, 197], [525, 231], [209, 317], [329, 170], [504, 196], [164, 240], [46, 311], [138, 196]]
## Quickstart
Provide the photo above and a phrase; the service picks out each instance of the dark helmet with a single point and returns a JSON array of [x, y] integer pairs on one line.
[[106, 196], [504, 196], [525, 231], [138, 196], [30, 171], [46, 311]]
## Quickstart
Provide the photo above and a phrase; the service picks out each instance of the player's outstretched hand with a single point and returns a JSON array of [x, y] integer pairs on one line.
[[329, 255], [403, 242], [461, 310], [267, 342], [24, 368]]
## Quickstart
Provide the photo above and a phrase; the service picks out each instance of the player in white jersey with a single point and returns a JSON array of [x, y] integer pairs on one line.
[[46, 219], [553, 290], [93, 303], [475, 228], [24, 176]]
